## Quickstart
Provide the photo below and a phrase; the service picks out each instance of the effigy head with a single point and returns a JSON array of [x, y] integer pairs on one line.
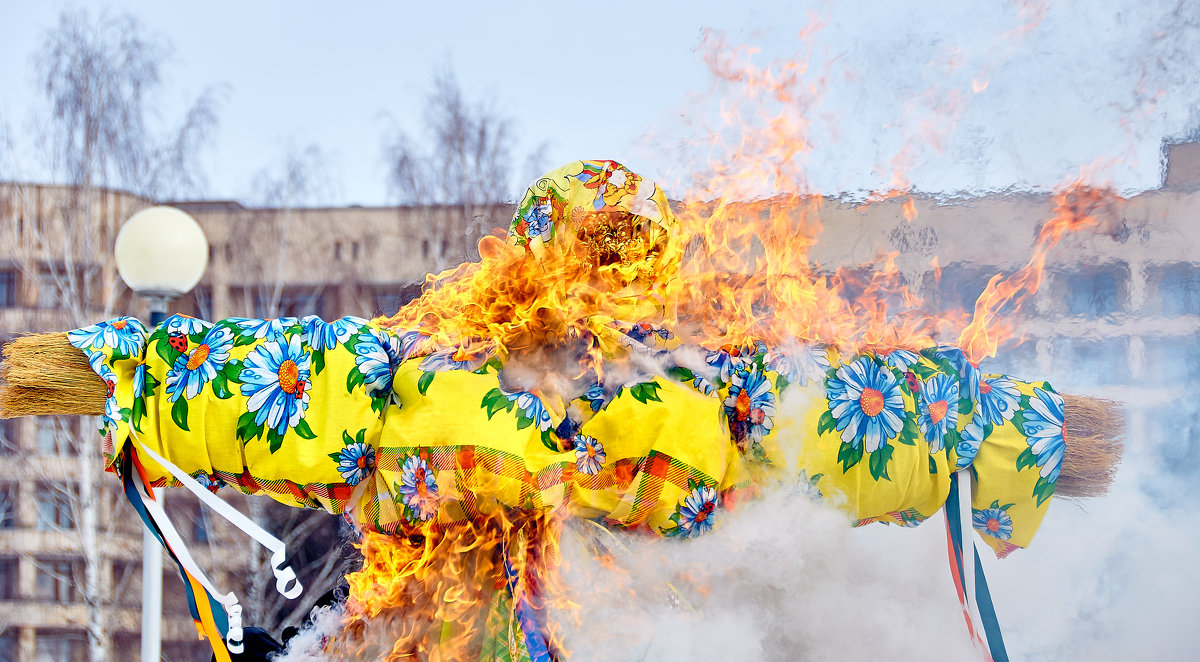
[[602, 214]]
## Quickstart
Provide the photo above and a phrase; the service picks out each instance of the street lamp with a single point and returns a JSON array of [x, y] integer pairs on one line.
[[161, 253]]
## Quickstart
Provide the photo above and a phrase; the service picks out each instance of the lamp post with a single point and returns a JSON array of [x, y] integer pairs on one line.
[[161, 253]]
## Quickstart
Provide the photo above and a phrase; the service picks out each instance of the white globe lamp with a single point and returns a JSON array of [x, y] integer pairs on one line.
[[161, 253]]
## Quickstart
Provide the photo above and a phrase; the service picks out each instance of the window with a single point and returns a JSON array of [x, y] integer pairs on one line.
[[56, 581], [1095, 292], [54, 508], [388, 301], [8, 645], [8, 288], [61, 647], [958, 287], [49, 293], [1079, 362], [1178, 288], [8, 580], [424, 248], [1175, 361], [8, 506], [127, 583], [8, 437], [184, 651], [292, 302], [53, 435]]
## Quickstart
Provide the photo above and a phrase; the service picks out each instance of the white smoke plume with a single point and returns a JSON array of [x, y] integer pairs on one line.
[[1012, 96]]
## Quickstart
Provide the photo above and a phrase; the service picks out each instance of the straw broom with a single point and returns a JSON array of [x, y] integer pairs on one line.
[[44, 375]]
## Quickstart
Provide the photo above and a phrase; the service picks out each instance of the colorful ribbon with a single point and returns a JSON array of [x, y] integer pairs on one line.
[[973, 593]]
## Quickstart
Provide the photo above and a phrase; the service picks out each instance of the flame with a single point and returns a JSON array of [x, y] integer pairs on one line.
[[429, 595], [739, 269], [1076, 208]]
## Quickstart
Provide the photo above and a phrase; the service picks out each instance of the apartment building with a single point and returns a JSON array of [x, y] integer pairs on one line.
[[1118, 316]]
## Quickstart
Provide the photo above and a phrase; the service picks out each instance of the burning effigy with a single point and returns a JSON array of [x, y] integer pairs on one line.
[[614, 361]]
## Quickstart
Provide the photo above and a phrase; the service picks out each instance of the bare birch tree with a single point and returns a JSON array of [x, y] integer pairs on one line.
[[98, 79], [319, 549], [463, 161]]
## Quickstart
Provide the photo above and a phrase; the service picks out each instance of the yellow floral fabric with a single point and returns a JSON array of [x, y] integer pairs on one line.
[[347, 414], [337, 414]]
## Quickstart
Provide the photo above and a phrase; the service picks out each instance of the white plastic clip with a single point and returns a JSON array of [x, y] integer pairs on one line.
[[233, 639], [286, 581]]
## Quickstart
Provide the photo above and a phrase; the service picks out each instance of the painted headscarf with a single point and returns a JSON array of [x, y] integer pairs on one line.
[[620, 219], [591, 250]]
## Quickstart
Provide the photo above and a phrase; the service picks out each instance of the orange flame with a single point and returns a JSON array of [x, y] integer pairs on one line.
[[739, 270], [437, 593], [1075, 208]]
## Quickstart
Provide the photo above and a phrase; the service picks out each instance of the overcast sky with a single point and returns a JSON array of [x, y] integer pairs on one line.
[[932, 93]]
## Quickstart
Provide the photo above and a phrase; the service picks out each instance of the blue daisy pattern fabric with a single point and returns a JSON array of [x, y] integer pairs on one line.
[[998, 400], [418, 489], [695, 514], [750, 406], [275, 379], [263, 329], [124, 336], [375, 360], [867, 408], [970, 439], [724, 361], [892, 429], [193, 370], [531, 409], [902, 359], [993, 521], [454, 358], [188, 326], [356, 460], [799, 364], [938, 410], [589, 454], [323, 336], [865, 401], [1043, 423]]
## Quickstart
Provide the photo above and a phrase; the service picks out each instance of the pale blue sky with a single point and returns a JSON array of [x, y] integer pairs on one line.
[[897, 80]]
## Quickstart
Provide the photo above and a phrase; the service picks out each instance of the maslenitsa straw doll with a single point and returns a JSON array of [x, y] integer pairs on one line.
[[553, 379]]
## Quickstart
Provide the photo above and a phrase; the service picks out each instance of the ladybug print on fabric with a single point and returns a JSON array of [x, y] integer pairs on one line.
[[178, 342]]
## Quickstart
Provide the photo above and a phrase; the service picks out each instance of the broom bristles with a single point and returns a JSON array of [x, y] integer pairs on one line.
[[44, 375], [1094, 429]]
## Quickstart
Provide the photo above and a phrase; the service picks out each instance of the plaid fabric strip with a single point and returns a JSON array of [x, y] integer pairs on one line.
[[474, 470]]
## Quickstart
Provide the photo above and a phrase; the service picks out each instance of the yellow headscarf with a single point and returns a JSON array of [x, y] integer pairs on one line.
[[591, 249]]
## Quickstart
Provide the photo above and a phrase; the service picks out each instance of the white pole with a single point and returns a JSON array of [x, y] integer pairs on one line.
[[152, 551], [151, 595], [161, 253]]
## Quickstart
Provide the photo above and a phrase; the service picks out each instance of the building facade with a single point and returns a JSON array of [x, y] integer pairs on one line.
[[1118, 316]]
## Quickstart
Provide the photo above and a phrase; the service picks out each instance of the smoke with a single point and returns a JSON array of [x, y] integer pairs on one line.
[[783, 578], [1019, 95], [324, 623], [943, 97]]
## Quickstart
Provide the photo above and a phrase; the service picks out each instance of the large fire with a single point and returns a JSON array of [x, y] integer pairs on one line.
[[440, 594], [739, 269]]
